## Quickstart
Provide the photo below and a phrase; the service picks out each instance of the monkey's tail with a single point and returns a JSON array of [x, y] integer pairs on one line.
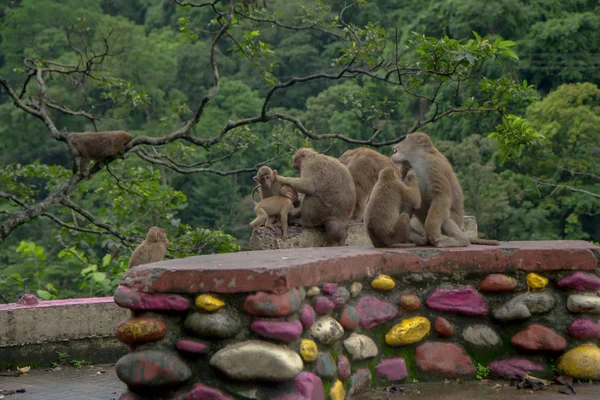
[[484, 241], [252, 195], [402, 245]]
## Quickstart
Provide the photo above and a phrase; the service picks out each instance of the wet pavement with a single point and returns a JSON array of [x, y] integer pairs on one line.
[[99, 382]]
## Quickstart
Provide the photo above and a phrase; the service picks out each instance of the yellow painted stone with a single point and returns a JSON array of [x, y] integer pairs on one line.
[[308, 350], [535, 281], [383, 282], [408, 331], [337, 391], [208, 303], [582, 362]]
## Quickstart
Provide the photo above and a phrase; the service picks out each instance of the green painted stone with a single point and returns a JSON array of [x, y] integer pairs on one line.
[[152, 369], [221, 325]]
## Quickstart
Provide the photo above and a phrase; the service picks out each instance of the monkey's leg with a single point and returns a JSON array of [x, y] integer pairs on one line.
[[261, 218], [336, 231], [454, 236], [401, 229], [439, 211], [284, 223]]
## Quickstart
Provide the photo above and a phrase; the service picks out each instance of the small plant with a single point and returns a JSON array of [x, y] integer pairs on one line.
[[482, 372], [414, 380], [78, 363]]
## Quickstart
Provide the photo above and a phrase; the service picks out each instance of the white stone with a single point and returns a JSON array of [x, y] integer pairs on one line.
[[360, 347], [257, 360], [313, 291], [583, 304], [327, 330], [481, 336], [355, 289]]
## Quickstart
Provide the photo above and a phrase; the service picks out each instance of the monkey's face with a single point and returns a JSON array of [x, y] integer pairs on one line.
[[412, 147], [156, 234]]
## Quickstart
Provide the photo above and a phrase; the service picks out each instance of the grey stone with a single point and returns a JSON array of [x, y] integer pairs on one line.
[[355, 289], [359, 382], [257, 360], [325, 366], [481, 336], [360, 347], [223, 324], [583, 304], [524, 305], [327, 330]]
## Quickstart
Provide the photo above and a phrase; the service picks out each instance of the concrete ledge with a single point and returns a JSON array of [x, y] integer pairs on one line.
[[280, 270]]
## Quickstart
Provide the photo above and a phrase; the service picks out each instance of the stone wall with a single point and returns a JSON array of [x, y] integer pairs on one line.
[[326, 323]]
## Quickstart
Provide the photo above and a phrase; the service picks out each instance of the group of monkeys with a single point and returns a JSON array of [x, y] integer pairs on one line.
[[386, 192]]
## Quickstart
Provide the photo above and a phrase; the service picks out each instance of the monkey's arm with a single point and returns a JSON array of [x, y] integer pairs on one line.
[[302, 185]]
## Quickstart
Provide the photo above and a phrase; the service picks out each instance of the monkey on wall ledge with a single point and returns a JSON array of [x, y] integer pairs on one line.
[[151, 250], [98, 146], [274, 206]]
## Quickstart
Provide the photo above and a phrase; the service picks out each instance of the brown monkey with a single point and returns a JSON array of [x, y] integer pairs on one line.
[[152, 249], [98, 146], [364, 166], [388, 212], [274, 206], [268, 186], [329, 193], [442, 204]]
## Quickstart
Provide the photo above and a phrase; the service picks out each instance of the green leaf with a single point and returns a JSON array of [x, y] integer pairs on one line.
[[98, 276], [106, 260], [44, 294], [506, 43]]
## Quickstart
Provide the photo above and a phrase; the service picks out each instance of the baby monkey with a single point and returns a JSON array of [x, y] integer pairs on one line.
[[390, 208], [274, 206], [152, 249]]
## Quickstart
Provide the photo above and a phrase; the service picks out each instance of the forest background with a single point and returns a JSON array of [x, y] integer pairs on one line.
[[527, 152]]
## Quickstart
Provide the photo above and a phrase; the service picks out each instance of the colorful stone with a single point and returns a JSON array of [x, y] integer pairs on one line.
[[323, 305], [329, 288], [410, 302], [327, 330], [443, 359], [141, 330], [191, 346], [325, 366], [514, 368], [313, 291], [219, 325], [582, 362], [359, 382], [343, 367], [538, 337], [392, 369], [584, 329], [350, 318], [463, 300], [580, 282], [583, 304], [139, 301], [360, 347], [535, 281], [383, 282], [202, 392], [309, 386], [307, 316], [443, 327], [481, 336], [308, 350], [337, 391], [524, 306], [497, 283], [264, 304], [374, 312], [355, 289], [408, 331], [209, 303], [152, 369], [339, 298], [279, 330]]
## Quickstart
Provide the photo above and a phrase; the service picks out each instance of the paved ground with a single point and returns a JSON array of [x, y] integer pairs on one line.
[[91, 383]]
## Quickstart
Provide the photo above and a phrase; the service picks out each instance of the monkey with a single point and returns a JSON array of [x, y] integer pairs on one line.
[[268, 186], [98, 146], [390, 208], [152, 249], [329, 193], [442, 204], [364, 165], [274, 206]]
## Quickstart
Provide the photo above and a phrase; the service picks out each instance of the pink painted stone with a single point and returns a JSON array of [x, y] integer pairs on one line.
[[374, 312], [307, 317], [538, 337], [329, 288], [264, 304], [323, 305], [308, 386], [343, 367], [284, 331], [202, 392], [28, 300], [514, 368], [393, 369], [463, 300], [339, 298], [443, 359], [138, 301], [584, 329], [580, 281], [191, 346], [350, 318]]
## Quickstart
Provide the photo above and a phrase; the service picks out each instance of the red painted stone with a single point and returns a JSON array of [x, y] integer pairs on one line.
[[410, 302], [538, 337], [269, 271], [139, 301], [278, 330], [329, 288], [443, 359], [392, 369], [514, 368], [28, 300], [350, 318], [580, 281], [264, 304], [323, 305], [498, 283], [202, 392], [463, 300], [307, 317], [191, 346], [141, 330], [442, 327], [151, 369], [584, 329], [374, 312], [343, 367]]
